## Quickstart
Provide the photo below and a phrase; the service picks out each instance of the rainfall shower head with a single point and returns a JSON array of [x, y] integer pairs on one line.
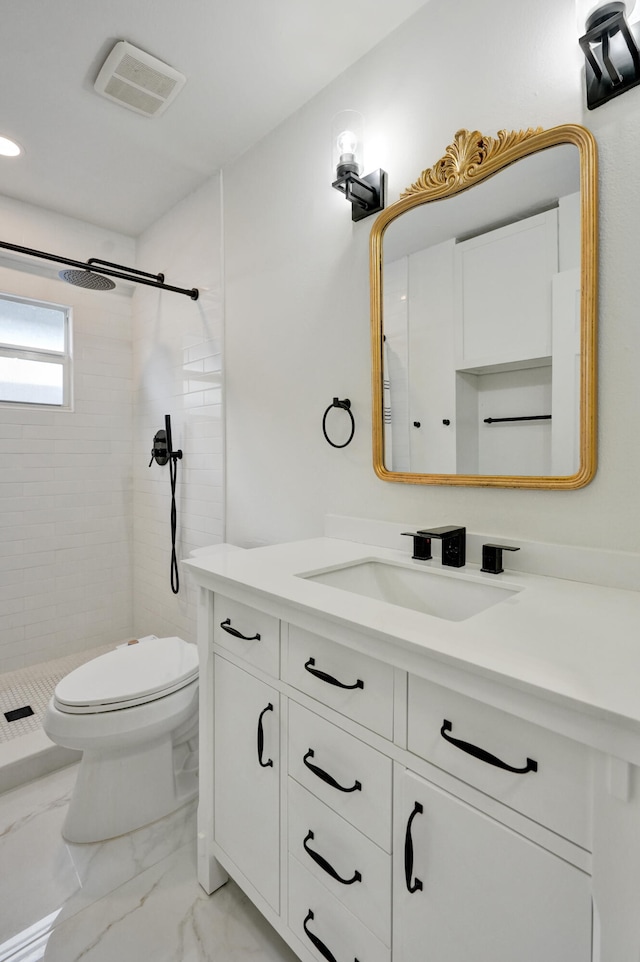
[[96, 274], [95, 282]]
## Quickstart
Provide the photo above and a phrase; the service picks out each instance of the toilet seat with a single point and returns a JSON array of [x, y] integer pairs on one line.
[[127, 676]]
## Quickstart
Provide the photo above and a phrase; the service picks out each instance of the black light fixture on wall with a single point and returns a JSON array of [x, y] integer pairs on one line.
[[365, 194], [612, 50]]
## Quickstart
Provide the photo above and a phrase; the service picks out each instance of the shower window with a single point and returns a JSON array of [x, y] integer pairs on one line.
[[35, 353]]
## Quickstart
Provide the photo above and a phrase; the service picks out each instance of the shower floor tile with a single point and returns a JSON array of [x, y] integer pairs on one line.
[[34, 686]]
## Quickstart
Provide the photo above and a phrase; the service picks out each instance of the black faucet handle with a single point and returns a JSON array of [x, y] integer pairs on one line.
[[421, 545], [492, 557]]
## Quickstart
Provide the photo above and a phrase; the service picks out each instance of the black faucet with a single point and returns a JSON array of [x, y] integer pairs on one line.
[[453, 544]]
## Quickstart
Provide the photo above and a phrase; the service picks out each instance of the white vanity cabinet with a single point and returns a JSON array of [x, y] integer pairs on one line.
[[247, 776], [240, 775], [467, 887], [373, 814], [494, 759]]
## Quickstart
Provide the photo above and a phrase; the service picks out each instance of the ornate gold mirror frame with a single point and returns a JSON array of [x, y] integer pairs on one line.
[[469, 160]]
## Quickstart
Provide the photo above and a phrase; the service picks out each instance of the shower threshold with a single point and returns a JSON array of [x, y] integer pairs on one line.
[[25, 751]]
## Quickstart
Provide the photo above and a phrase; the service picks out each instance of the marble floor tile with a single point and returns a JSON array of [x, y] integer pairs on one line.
[[131, 899], [162, 914], [44, 876]]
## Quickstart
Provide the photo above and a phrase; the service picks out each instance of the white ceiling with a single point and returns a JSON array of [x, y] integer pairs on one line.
[[249, 64]]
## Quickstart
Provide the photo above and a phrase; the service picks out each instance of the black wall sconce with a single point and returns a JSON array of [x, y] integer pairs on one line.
[[366, 194], [612, 52]]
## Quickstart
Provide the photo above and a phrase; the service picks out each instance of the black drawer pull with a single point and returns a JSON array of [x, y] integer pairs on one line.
[[330, 680], [226, 626], [269, 761], [320, 946], [484, 756], [326, 777], [416, 885], [325, 866]]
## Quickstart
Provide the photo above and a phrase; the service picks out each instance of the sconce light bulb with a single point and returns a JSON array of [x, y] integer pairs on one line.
[[347, 143]]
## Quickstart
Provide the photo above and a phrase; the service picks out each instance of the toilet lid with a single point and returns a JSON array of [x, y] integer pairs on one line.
[[129, 675]]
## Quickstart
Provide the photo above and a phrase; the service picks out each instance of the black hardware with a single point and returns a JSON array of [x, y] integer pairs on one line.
[[124, 273], [446, 422], [320, 946], [421, 545], [161, 452], [416, 885], [526, 417], [618, 68], [226, 626], [417, 424], [330, 680], [269, 761], [325, 866], [326, 777], [17, 713], [453, 544], [366, 194], [492, 557], [174, 456], [345, 404], [483, 755]]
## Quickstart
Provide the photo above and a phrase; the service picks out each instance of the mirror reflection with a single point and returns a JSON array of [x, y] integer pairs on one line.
[[481, 331]]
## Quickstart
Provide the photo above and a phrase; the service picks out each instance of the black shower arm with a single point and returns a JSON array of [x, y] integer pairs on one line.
[[124, 273]]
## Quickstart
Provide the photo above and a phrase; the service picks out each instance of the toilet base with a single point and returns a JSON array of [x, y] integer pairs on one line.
[[117, 792]]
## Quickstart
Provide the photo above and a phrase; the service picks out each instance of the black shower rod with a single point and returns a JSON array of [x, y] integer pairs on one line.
[[130, 274]]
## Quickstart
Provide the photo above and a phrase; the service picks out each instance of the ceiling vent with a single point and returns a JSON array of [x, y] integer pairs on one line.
[[134, 79]]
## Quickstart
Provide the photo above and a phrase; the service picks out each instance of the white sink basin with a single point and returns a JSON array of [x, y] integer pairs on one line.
[[422, 589]]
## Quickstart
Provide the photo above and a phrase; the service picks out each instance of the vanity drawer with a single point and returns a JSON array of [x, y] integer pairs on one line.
[[321, 922], [353, 684], [350, 777], [550, 780], [248, 633], [327, 847]]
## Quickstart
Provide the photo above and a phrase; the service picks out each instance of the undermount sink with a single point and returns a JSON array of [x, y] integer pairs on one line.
[[421, 589]]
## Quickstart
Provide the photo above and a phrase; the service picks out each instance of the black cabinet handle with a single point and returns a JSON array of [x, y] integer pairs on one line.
[[326, 777], [269, 761], [320, 946], [416, 885], [484, 756], [330, 680], [325, 866], [226, 626]]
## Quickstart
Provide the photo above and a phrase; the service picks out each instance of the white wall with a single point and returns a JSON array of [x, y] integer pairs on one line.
[[297, 317], [178, 371], [65, 476]]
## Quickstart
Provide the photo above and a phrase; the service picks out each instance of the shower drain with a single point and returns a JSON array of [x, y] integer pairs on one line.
[[16, 713]]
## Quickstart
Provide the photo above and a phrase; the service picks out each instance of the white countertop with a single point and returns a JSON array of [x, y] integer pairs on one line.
[[575, 645]]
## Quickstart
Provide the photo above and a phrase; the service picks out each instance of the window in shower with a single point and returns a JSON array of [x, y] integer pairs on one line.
[[35, 353]]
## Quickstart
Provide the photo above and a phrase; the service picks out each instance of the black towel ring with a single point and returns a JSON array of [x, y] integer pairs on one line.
[[345, 404]]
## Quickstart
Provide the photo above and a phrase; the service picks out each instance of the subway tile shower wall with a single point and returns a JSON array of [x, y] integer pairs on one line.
[[85, 526], [178, 371], [65, 476]]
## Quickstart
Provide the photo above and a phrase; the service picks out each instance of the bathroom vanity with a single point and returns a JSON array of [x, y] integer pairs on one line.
[[400, 761]]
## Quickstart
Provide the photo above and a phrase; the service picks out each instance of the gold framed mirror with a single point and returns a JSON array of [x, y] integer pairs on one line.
[[483, 315]]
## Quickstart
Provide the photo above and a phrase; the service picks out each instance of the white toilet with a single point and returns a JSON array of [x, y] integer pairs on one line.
[[133, 712]]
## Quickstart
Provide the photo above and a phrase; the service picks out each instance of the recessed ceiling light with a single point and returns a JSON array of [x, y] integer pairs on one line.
[[9, 148]]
